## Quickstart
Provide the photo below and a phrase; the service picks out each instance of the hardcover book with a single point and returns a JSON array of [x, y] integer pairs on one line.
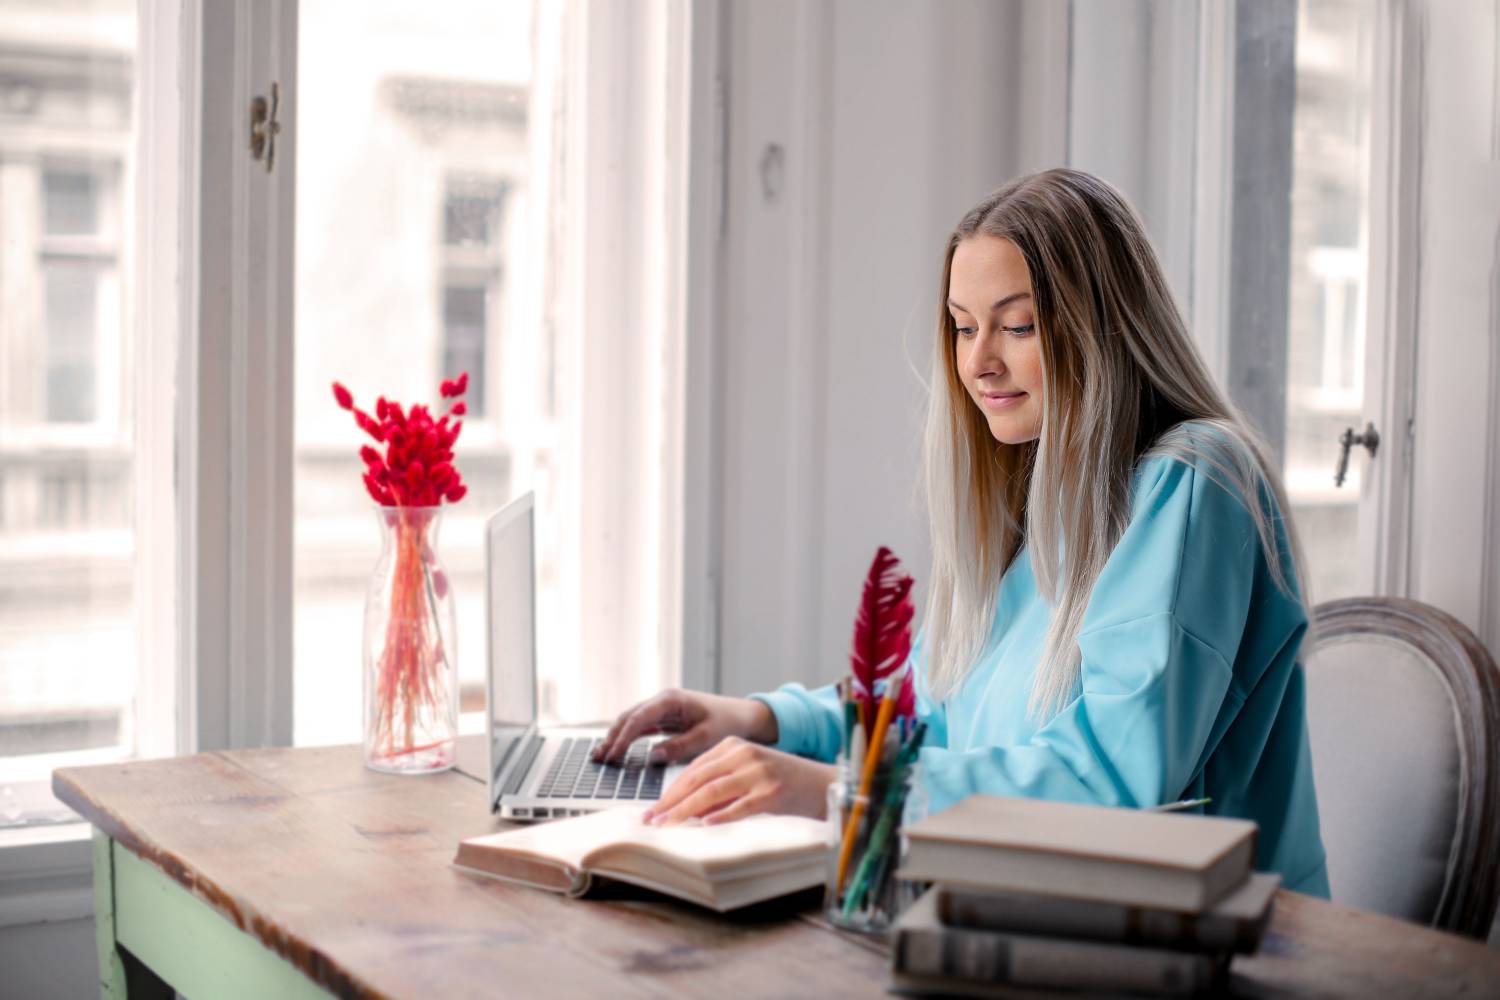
[[1150, 859], [721, 867], [931, 957], [1235, 923]]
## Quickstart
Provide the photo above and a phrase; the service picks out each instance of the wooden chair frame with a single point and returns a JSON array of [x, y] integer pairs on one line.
[[1471, 886]]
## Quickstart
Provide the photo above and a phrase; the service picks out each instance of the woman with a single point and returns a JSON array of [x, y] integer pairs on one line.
[[1114, 611]]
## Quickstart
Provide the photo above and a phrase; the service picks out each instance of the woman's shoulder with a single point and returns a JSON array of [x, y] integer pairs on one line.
[[1198, 454], [1192, 526]]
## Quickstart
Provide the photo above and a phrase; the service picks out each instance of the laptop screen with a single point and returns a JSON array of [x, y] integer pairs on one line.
[[510, 562]]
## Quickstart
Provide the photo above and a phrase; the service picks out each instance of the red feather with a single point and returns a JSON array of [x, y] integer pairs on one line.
[[882, 630], [906, 702]]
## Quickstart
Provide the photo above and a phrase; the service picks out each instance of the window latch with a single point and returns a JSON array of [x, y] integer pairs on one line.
[[1369, 438], [264, 128]]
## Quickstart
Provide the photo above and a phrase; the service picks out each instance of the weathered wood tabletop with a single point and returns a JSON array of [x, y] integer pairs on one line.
[[345, 874]]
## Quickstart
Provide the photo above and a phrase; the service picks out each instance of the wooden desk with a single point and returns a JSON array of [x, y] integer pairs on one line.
[[298, 873]]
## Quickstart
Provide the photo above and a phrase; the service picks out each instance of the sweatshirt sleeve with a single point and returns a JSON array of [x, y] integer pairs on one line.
[[807, 722], [810, 723], [1161, 631]]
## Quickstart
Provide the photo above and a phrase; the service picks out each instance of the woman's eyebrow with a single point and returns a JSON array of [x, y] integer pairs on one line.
[[1012, 297]]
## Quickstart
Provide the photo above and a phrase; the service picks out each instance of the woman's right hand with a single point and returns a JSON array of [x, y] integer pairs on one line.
[[699, 721]]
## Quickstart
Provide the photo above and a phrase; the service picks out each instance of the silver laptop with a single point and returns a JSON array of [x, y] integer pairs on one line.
[[541, 773]]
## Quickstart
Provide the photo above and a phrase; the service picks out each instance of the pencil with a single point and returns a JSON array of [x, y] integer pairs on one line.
[[872, 869], [872, 757]]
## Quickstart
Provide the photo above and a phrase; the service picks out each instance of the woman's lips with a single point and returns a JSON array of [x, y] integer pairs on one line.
[[1002, 400]]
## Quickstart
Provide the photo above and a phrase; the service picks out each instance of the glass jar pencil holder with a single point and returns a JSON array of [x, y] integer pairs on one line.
[[863, 891]]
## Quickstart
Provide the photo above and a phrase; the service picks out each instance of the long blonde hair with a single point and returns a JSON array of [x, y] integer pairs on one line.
[[1121, 376]]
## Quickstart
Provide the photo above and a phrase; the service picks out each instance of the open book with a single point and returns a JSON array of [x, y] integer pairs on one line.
[[720, 867]]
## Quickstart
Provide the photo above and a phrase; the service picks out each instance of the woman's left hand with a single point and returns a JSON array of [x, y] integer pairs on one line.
[[738, 778]]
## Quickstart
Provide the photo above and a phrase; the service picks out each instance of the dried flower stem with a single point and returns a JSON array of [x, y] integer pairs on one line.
[[411, 673]]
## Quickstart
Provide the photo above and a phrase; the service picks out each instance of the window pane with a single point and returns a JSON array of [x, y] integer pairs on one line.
[[470, 220], [464, 334], [1326, 327], [72, 307], [411, 184], [71, 204], [68, 458]]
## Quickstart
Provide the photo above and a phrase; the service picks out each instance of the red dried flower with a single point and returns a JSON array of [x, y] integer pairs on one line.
[[417, 467], [369, 426]]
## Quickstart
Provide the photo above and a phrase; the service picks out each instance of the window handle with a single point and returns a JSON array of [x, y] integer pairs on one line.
[[1370, 438], [264, 128]]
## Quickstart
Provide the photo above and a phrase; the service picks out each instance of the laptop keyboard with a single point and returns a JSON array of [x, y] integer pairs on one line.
[[575, 775]]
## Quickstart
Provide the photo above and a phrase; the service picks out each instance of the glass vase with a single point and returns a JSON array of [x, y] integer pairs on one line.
[[863, 892], [410, 660]]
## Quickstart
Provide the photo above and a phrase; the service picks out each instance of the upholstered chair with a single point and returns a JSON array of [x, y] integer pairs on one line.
[[1403, 708]]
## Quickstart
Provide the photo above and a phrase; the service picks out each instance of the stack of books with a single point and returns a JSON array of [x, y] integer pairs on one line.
[[1030, 893]]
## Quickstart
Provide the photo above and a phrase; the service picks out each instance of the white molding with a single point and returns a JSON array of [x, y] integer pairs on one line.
[[159, 186], [1489, 608], [808, 202], [1213, 187], [264, 417], [1495, 112], [620, 227], [693, 412], [1110, 116], [1385, 528], [47, 877], [45, 873], [773, 351], [1045, 54], [235, 422], [1171, 159]]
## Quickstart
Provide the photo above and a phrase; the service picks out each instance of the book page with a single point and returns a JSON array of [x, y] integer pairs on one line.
[[693, 847], [567, 841], [756, 842]]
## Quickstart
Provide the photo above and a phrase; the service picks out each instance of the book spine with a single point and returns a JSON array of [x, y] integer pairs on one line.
[[1020, 960], [1135, 925]]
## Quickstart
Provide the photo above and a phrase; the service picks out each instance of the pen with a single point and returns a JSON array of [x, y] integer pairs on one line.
[[872, 870], [1179, 805], [873, 754]]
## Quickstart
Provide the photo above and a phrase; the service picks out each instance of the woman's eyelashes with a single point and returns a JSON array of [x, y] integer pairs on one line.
[[967, 332]]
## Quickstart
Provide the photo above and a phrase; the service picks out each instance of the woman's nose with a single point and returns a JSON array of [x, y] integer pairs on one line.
[[987, 358]]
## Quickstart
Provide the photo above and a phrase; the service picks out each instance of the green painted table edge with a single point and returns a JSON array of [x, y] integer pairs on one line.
[[183, 940]]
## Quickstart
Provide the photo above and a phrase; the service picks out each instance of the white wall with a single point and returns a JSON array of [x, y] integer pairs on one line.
[[53, 961], [893, 119], [1455, 555], [1132, 115]]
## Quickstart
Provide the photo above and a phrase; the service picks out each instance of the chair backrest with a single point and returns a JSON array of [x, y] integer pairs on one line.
[[1403, 706]]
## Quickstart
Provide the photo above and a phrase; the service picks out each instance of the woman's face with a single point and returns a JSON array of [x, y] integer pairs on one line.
[[998, 351]]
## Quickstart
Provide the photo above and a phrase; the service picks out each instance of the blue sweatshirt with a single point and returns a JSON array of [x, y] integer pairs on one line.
[[1189, 683]]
